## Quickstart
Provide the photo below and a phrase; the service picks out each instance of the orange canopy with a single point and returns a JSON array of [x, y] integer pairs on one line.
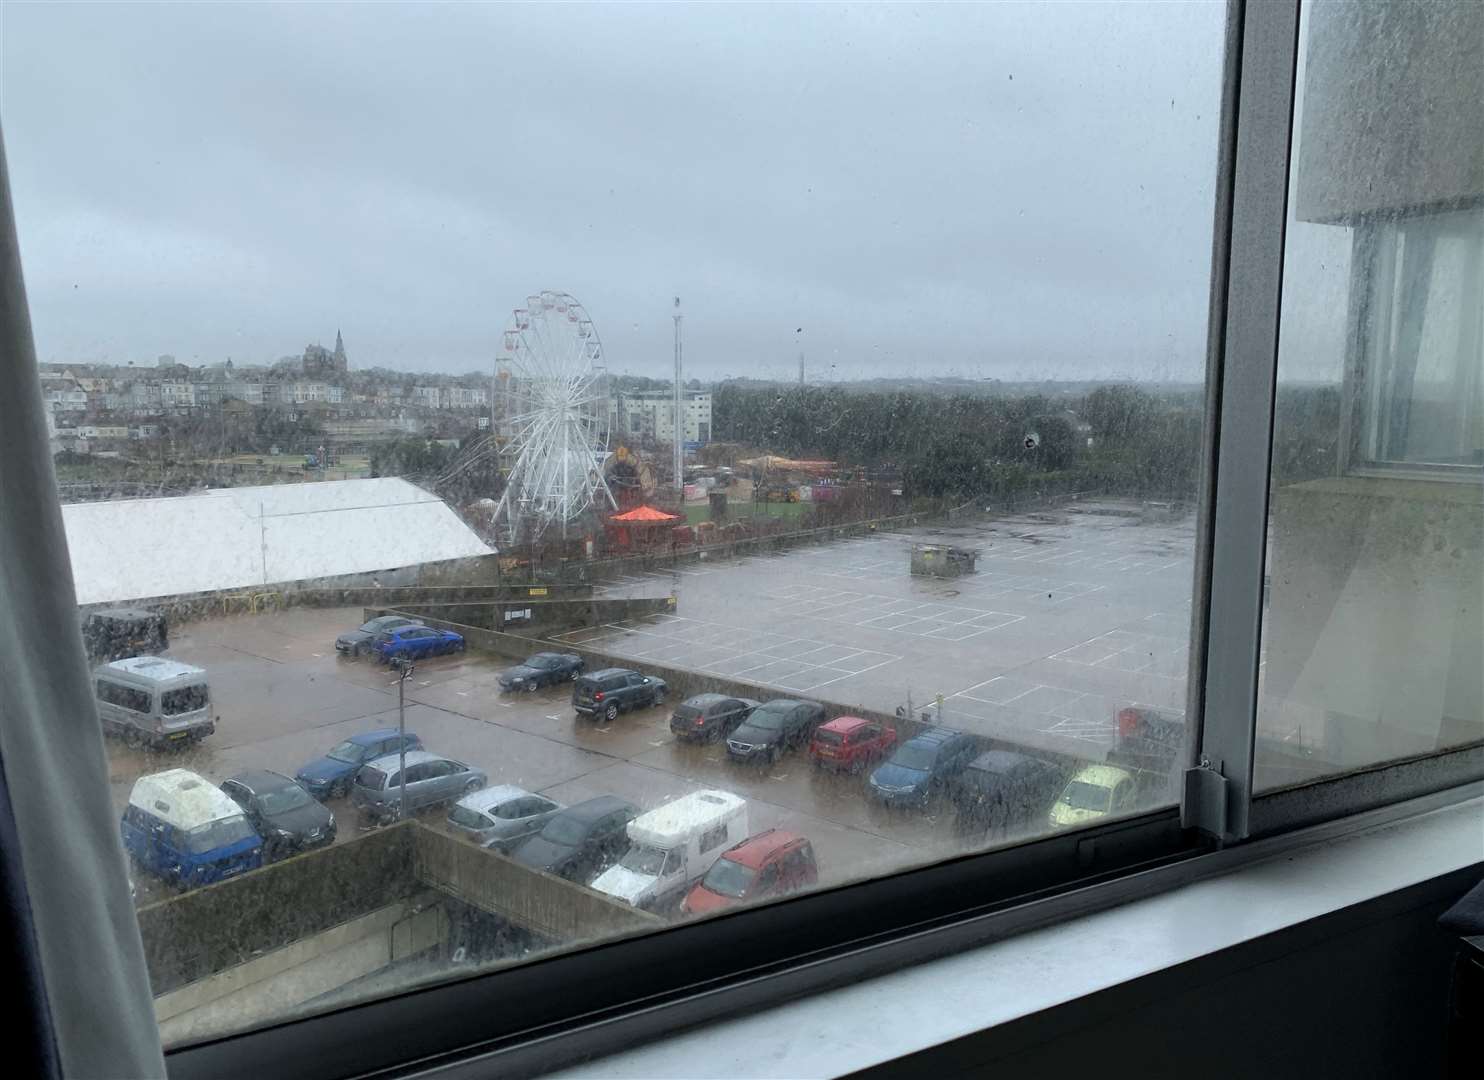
[[643, 514]]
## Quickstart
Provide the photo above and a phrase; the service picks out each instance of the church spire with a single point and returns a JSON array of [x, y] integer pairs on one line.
[[340, 362]]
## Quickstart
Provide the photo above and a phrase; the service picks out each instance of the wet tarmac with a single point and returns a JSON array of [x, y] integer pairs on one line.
[[1068, 616]]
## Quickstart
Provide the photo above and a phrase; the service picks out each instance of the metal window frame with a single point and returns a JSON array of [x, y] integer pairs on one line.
[[1244, 367], [572, 1005]]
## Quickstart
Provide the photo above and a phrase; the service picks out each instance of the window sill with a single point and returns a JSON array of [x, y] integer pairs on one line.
[[935, 1003]]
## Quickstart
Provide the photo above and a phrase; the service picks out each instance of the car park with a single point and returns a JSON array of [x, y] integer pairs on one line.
[[357, 642], [330, 776], [502, 816], [542, 669], [1093, 793], [431, 780], [285, 815], [922, 767], [709, 716], [416, 643], [671, 846], [152, 701], [182, 828], [772, 863], [117, 633], [1001, 790], [582, 841], [851, 743], [773, 728], [608, 692]]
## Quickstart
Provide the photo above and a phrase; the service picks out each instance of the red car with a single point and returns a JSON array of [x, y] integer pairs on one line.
[[848, 742], [771, 863]]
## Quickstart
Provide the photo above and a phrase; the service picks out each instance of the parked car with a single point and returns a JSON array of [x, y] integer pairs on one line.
[[285, 815], [608, 692], [543, 669], [152, 701], [1095, 792], [849, 742], [709, 716], [772, 863], [501, 817], [922, 767], [431, 780], [181, 827], [118, 633], [416, 642], [1001, 790], [582, 841], [329, 777], [774, 728], [354, 643]]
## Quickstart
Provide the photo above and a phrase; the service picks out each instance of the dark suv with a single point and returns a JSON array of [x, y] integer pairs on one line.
[[707, 716], [773, 728], [1001, 790], [611, 691], [922, 767]]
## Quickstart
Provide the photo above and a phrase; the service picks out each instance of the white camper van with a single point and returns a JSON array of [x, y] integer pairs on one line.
[[673, 846]]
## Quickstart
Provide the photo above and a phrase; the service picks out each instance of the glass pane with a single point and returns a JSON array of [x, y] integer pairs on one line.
[[942, 281], [1372, 635]]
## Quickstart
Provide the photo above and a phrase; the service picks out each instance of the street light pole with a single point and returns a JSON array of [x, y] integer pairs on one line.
[[404, 672]]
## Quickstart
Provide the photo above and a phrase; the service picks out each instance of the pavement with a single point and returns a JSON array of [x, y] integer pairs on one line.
[[284, 697], [1069, 616]]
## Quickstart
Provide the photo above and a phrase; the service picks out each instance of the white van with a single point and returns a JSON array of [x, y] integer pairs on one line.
[[148, 699], [673, 846]]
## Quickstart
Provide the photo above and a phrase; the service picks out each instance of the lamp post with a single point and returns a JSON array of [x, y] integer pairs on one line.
[[404, 669]]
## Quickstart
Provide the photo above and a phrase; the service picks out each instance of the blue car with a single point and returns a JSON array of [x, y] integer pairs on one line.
[[416, 642], [921, 767], [182, 828], [330, 776]]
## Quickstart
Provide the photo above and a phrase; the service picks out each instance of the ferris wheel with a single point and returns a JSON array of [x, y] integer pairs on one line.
[[554, 398]]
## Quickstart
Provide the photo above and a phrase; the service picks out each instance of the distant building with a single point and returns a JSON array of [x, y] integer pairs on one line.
[[651, 414], [320, 362], [429, 397], [464, 397]]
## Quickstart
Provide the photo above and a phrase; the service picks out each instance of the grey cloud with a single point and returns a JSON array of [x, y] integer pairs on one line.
[[1005, 190]]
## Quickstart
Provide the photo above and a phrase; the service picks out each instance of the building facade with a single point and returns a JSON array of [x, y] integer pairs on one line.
[[651, 414]]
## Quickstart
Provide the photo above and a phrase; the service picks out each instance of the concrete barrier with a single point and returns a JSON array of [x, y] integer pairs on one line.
[[547, 905], [189, 937], [539, 616], [276, 983]]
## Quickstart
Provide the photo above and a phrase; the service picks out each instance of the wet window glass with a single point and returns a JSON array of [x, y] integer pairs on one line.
[[1372, 628], [849, 361]]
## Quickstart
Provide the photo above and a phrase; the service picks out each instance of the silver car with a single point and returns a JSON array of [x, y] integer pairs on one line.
[[500, 817], [431, 780]]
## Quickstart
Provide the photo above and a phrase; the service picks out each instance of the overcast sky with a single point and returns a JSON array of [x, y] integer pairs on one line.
[[1005, 191]]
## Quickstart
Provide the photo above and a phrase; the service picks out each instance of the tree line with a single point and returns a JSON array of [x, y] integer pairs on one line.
[[1119, 439]]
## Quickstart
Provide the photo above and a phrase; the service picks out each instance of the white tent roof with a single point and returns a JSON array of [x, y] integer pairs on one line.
[[235, 538]]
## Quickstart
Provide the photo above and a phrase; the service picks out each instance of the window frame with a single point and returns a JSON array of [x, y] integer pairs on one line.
[[522, 1019]]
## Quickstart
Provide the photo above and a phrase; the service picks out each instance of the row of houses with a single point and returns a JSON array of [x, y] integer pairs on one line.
[[66, 391]]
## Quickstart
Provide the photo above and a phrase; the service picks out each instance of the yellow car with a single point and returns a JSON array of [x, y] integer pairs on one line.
[[1095, 792]]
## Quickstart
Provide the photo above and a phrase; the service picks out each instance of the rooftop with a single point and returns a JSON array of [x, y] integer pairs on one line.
[[247, 537]]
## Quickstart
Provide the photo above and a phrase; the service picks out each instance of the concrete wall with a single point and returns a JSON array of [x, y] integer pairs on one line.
[[549, 906], [1393, 110], [526, 616], [276, 983], [1375, 624], [203, 932]]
